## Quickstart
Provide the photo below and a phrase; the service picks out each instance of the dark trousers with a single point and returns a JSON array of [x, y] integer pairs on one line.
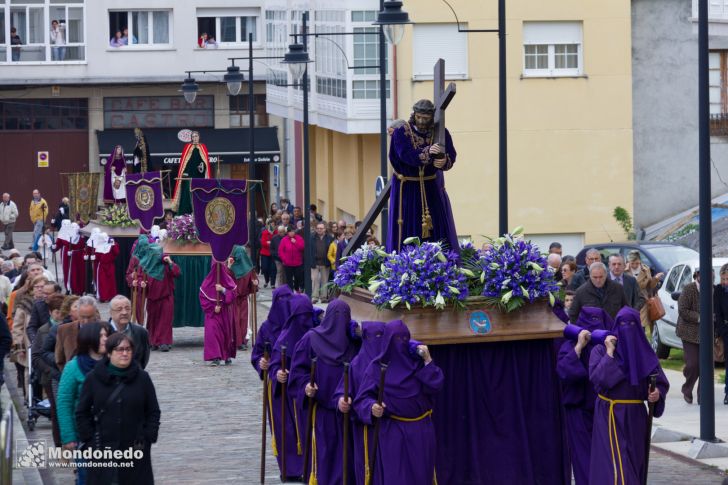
[[8, 229], [725, 352], [692, 369], [294, 277], [268, 267], [50, 392]]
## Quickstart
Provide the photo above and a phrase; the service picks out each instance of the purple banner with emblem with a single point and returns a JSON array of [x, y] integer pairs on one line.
[[221, 214], [144, 198]]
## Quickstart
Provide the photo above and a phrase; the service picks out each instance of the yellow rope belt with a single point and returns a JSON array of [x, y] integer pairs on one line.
[[270, 411], [412, 420], [613, 438], [295, 422], [426, 218], [313, 478]]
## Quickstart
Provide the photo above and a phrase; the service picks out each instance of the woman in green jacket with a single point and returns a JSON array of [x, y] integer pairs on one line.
[[90, 349]]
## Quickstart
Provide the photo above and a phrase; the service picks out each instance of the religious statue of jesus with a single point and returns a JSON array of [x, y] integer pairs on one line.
[[194, 163], [418, 204], [115, 177]]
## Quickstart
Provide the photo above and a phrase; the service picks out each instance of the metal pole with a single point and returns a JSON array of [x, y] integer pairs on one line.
[[306, 173], [252, 172], [383, 165], [502, 123], [707, 403]]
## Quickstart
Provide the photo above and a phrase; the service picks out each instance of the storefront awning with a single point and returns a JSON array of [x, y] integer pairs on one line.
[[165, 147]]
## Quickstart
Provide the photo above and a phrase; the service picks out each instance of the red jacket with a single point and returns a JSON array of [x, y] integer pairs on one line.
[[265, 238], [291, 253]]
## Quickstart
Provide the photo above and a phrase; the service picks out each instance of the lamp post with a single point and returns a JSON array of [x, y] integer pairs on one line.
[[297, 60], [391, 20]]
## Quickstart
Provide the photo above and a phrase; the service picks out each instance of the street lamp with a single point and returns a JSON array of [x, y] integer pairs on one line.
[[189, 89], [392, 19], [297, 60], [234, 79]]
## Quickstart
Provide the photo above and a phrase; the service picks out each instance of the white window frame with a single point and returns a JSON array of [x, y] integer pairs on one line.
[[150, 26], [363, 80], [238, 13], [6, 6], [551, 42]]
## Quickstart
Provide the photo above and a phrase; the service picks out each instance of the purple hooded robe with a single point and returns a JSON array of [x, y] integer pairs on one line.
[[372, 336], [331, 344], [219, 329], [406, 451], [300, 321], [620, 428], [116, 165], [577, 393]]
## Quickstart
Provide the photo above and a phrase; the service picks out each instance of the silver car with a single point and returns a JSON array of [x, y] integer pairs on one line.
[[679, 275]]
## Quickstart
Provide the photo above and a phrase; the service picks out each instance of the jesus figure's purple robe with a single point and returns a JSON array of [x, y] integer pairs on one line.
[[630, 421], [408, 153]]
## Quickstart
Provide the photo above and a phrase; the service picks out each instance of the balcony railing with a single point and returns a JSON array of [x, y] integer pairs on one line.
[[719, 124]]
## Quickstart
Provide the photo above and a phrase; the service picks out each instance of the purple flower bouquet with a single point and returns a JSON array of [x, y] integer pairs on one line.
[[182, 229], [359, 268], [421, 274], [514, 272]]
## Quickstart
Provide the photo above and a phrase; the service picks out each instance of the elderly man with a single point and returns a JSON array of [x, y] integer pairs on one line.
[[121, 322], [319, 248], [67, 333], [554, 262], [629, 282], [8, 270], [8, 216], [592, 256], [600, 292]]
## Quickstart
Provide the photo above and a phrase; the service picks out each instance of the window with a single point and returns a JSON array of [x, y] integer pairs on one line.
[[276, 36], [34, 37], [239, 114], [44, 114], [552, 49], [226, 26], [673, 278], [718, 79], [139, 27], [330, 66], [365, 84], [434, 41]]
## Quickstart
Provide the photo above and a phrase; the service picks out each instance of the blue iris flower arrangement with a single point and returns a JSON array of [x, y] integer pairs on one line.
[[514, 272], [358, 268], [421, 274]]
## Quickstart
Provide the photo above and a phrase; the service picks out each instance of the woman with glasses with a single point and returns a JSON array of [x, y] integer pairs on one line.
[[118, 409]]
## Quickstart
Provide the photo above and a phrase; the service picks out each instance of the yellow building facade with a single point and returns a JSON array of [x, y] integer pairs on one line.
[[569, 114]]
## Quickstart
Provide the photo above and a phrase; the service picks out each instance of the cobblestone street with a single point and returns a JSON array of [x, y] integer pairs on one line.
[[210, 429]]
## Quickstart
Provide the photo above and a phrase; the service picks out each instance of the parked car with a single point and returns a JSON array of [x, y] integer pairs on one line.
[[679, 275], [659, 256]]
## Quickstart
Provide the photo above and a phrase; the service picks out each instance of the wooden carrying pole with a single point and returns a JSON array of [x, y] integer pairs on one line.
[[377, 424], [266, 356], [253, 316], [309, 425], [282, 450], [346, 427], [648, 438]]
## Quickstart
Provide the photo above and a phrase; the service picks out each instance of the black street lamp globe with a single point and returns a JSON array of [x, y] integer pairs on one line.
[[296, 58], [393, 19], [234, 80], [189, 89]]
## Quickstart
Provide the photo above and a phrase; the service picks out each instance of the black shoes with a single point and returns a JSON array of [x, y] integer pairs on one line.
[[165, 347], [725, 399]]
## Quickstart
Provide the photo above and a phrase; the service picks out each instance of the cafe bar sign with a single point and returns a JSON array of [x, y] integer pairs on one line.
[[158, 112]]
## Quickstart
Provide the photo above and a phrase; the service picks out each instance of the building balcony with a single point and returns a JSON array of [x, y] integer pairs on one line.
[[719, 124]]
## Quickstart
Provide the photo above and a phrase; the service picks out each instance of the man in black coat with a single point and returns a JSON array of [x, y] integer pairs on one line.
[[40, 315], [598, 292], [120, 321], [629, 282], [5, 342]]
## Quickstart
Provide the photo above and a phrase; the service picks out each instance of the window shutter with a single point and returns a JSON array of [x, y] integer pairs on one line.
[[434, 41], [552, 32]]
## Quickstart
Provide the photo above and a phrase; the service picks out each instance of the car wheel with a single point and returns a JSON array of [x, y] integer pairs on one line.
[[662, 350]]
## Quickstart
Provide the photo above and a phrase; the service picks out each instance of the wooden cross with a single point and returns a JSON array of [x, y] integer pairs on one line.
[[441, 100]]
